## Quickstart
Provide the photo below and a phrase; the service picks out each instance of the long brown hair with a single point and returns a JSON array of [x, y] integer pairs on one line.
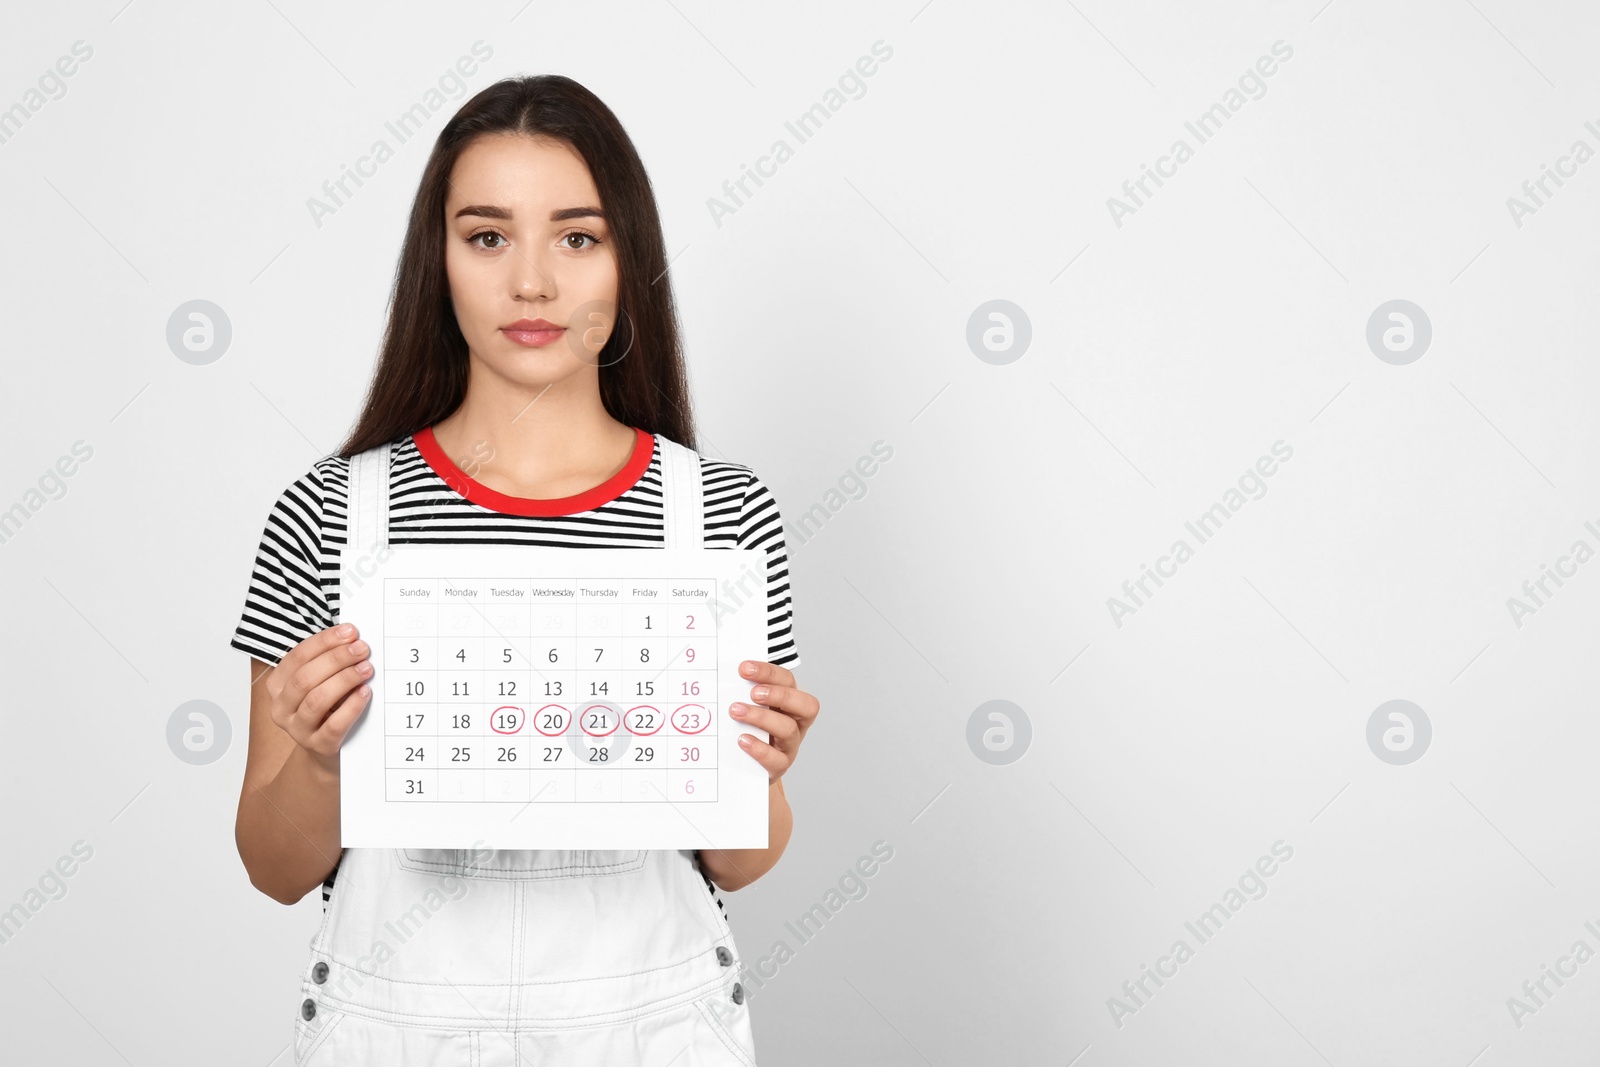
[[421, 375]]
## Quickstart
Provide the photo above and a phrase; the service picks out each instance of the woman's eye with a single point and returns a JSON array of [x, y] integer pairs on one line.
[[573, 240]]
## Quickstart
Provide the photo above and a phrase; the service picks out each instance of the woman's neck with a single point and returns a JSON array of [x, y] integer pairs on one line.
[[545, 444]]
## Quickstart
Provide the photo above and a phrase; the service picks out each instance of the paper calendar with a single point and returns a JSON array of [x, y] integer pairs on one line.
[[536, 697]]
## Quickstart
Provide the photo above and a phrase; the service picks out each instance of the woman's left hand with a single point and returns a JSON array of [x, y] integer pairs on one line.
[[778, 707]]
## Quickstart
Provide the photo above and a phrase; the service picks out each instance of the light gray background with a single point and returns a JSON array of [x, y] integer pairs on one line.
[[828, 313]]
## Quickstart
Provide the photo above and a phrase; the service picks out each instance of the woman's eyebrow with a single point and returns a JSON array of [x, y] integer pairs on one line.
[[490, 211]]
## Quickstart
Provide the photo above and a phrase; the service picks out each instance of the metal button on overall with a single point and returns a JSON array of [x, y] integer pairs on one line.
[[308, 1010], [724, 957], [319, 973], [738, 994]]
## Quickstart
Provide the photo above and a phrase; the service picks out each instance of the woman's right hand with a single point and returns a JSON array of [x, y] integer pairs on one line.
[[319, 689]]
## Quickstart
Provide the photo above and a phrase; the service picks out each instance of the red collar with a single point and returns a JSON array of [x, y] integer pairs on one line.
[[589, 499]]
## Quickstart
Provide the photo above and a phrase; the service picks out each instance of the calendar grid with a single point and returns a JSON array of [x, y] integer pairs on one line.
[[566, 690]]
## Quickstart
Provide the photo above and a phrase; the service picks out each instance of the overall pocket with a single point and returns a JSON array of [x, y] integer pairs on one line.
[[729, 1025], [310, 1036], [520, 864]]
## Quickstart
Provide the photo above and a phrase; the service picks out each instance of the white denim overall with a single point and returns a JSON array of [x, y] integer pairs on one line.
[[484, 958]]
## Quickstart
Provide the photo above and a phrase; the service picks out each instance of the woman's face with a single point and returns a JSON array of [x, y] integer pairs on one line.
[[524, 242]]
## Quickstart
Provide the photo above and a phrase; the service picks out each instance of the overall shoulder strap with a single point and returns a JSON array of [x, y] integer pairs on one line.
[[367, 502], [681, 495]]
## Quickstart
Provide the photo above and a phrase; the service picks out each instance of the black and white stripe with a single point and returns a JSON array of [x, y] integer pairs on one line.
[[294, 587]]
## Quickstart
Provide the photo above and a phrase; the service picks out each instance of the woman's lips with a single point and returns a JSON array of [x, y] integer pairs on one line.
[[534, 338]]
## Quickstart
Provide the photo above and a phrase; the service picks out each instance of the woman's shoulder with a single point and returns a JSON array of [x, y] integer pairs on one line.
[[724, 470], [317, 492], [734, 492], [331, 473], [326, 474], [726, 480], [720, 479]]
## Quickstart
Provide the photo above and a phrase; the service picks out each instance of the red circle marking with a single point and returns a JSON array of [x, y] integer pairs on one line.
[[591, 733], [507, 707], [559, 707], [645, 733], [685, 707]]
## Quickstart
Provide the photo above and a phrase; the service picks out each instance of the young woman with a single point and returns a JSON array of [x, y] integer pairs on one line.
[[530, 368]]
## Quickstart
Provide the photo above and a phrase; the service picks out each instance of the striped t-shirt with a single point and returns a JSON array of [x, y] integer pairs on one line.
[[294, 588]]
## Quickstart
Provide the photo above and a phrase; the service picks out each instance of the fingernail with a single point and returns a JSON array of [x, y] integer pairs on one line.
[[738, 711], [744, 740], [346, 630], [758, 693], [747, 669]]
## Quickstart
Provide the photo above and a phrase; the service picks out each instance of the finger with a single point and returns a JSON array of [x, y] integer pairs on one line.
[[773, 760], [328, 738], [774, 722], [316, 645], [755, 670], [319, 686], [299, 667], [326, 697], [337, 659], [797, 702]]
